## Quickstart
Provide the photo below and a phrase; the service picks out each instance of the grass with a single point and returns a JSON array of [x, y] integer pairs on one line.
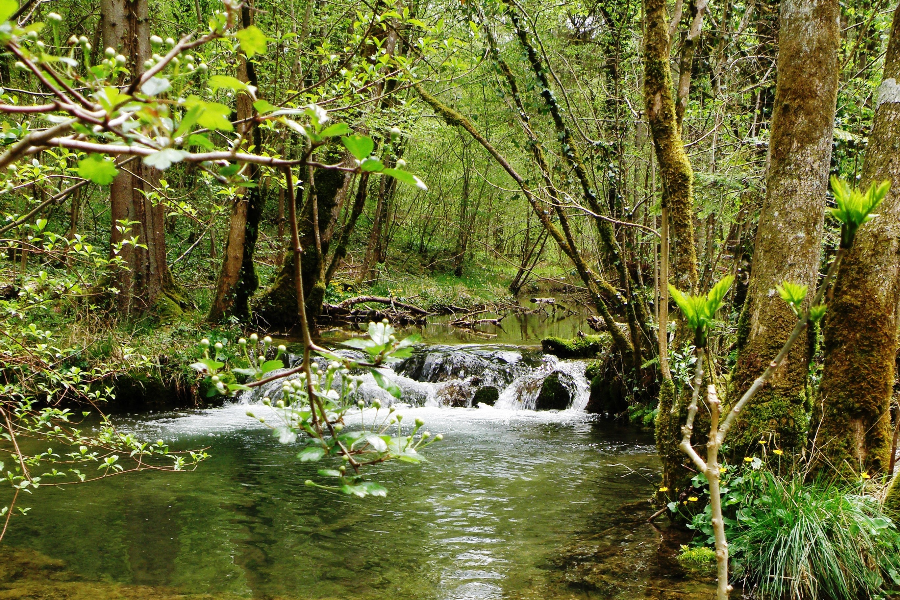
[[803, 541]]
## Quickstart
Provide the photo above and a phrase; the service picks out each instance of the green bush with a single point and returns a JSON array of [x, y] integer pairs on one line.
[[793, 540]]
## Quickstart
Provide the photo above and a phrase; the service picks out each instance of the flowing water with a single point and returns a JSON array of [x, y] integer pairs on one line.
[[514, 503]]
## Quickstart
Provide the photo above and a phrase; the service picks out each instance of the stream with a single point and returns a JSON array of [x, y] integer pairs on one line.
[[514, 503]]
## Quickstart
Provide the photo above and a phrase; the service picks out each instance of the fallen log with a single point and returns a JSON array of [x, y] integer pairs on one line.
[[381, 300]]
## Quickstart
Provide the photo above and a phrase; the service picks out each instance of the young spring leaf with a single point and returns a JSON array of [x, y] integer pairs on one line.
[[7, 9], [792, 293], [854, 208], [406, 177], [253, 41], [100, 170], [360, 146], [218, 82]]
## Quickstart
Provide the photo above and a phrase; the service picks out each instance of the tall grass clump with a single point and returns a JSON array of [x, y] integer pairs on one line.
[[792, 540]]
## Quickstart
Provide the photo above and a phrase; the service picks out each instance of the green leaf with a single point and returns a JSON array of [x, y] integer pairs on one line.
[[190, 117], [212, 114], [371, 164], [406, 177], [264, 106], [98, 169], [155, 86], [270, 365], [335, 130], [792, 293], [164, 159], [253, 41], [816, 313], [373, 488], [330, 473], [198, 139], [311, 454], [360, 146], [7, 9], [717, 294], [285, 435], [387, 385], [218, 82]]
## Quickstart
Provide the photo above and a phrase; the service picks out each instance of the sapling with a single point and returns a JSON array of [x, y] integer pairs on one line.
[[853, 209]]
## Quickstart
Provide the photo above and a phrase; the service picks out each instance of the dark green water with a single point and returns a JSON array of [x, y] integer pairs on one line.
[[492, 515]]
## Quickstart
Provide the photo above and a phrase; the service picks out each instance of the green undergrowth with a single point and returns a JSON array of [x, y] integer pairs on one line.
[[789, 538]]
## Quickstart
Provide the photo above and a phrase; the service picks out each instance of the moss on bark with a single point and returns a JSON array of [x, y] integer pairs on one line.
[[861, 323], [790, 225], [892, 501]]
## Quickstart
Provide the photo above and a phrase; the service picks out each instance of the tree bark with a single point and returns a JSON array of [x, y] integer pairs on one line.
[[237, 280], [861, 322], [277, 307], [144, 275], [789, 234]]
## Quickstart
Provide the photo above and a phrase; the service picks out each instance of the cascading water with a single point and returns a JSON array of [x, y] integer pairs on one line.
[[468, 376]]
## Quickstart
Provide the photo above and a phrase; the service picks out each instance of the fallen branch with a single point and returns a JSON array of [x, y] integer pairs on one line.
[[380, 300]]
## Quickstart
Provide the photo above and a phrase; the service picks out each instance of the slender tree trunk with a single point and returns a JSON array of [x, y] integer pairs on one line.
[[144, 276], [677, 230], [237, 280], [861, 322], [790, 225]]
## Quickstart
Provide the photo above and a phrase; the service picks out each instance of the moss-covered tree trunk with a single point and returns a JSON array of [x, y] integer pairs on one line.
[[277, 306], [790, 225], [861, 322], [674, 166], [678, 209]]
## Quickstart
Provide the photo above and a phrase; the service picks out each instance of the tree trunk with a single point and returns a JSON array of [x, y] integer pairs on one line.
[[277, 307], [861, 322], [790, 225], [144, 277], [674, 166], [678, 211], [237, 280]]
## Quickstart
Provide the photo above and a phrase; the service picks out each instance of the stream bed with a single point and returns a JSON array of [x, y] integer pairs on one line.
[[512, 504]]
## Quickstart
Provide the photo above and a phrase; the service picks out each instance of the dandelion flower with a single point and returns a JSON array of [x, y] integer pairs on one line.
[[762, 442], [864, 476], [692, 499], [664, 489], [748, 459], [778, 452]]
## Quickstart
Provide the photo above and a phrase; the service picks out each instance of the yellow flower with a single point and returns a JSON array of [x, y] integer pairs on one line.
[[664, 489], [762, 441], [778, 452], [864, 475], [748, 459], [692, 499], [722, 469]]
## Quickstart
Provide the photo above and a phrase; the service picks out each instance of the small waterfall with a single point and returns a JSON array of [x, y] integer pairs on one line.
[[464, 376]]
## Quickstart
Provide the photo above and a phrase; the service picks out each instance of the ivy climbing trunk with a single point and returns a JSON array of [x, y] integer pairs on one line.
[[789, 234], [861, 322], [143, 280]]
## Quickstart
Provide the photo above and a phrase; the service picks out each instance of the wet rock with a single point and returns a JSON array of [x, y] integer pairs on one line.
[[486, 395], [553, 395]]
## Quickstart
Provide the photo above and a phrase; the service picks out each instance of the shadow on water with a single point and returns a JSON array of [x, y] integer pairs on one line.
[[513, 504]]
